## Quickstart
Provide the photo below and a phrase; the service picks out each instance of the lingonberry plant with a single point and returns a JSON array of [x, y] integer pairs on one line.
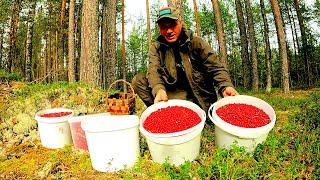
[[243, 115], [171, 119]]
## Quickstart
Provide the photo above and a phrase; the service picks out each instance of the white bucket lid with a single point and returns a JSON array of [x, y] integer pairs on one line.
[[53, 120], [104, 123], [172, 102]]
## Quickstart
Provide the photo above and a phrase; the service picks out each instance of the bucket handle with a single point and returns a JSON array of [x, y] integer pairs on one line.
[[124, 83], [210, 111]]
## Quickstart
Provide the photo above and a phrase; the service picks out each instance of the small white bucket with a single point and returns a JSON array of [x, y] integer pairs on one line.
[[227, 134], [113, 141], [77, 133], [174, 148], [54, 131]]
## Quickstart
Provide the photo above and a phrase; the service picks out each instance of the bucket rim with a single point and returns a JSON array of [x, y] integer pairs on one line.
[[82, 117], [53, 120], [102, 125], [172, 102], [242, 132]]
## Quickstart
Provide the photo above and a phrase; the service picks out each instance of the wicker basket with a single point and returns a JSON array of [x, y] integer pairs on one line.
[[122, 102]]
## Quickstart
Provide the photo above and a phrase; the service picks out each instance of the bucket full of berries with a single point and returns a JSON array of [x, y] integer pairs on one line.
[[244, 120], [173, 130]]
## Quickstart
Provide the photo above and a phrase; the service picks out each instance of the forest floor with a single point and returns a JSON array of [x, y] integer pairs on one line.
[[291, 151]]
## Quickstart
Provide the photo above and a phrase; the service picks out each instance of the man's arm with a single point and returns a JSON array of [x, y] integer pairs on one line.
[[154, 78], [218, 70]]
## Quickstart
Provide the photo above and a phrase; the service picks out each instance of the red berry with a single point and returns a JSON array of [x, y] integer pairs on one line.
[[243, 115], [55, 114], [171, 119]]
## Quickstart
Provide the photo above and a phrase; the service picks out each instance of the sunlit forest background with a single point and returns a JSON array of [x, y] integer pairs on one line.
[[263, 43], [68, 53]]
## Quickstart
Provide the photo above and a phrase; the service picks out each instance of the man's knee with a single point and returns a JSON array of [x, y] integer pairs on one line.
[[141, 87], [139, 80]]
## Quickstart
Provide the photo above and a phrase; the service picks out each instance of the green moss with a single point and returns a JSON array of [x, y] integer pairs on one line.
[[25, 123], [291, 150]]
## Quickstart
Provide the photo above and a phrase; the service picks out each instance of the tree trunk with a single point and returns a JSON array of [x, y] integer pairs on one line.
[[89, 61], [28, 65], [305, 51], [59, 41], [2, 65], [233, 66], [267, 47], [123, 48], [50, 59], [295, 33], [63, 11], [148, 24], [16, 8], [104, 43], [220, 32], [46, 57], [56, 57], [282, 45], [196, 15], [246, 71], [178, 5], [253, 46], [71, 59], [294, 41], [78, 39]]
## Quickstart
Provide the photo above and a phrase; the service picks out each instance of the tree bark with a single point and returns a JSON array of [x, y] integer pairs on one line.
[[305, 51], [267, 47], [49, 59], [253, 46], [109, 58], [246, 70], [178, 5], [89, 61], [294, 42], [63, 11], [78, 39], [16, 8], [220, 32], [123, 48], [282, 45], [71, 41], [2, 65], [196, 15], [295, 33], [28, 65], [148, 24]]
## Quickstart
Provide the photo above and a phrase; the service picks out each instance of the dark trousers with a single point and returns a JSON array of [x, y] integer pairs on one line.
[[140, 85]]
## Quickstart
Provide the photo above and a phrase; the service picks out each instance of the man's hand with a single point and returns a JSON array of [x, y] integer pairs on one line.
[[229, 91], [161, 96]]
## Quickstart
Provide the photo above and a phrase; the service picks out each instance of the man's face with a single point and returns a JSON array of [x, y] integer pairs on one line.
[[170, 29]]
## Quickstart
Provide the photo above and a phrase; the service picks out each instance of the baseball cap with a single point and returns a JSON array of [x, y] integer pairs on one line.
[[168, 12]]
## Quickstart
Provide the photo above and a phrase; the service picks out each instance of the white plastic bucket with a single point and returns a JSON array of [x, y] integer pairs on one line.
[[174, 148], [77, 133], [227, 134], [54, 131], [113, 141]]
